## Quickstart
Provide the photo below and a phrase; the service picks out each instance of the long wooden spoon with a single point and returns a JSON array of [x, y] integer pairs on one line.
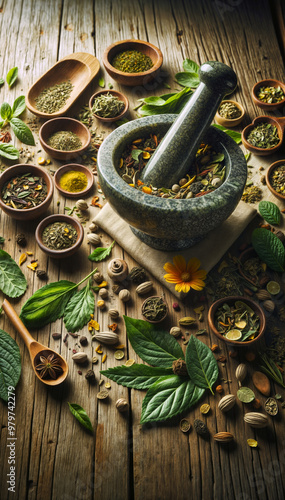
[[35, 348]]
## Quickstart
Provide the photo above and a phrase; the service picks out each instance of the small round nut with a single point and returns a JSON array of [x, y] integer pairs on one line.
[[268, 305], [93, 227], [122, 405], [175, 188], [98, 278], [94, 239], [83, 341], [81, 205], [182, 181], [113, 313], [124, 295], [103, 292], [101, 304], [175, 331]]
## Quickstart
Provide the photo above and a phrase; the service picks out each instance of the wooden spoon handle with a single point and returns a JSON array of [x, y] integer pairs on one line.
[[17, 323]]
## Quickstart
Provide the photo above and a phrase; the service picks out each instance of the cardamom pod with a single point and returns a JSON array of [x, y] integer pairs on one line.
[[113, 313], [269, 305], [223, 437], [263, 295], [144, 287], [79, 357], [187, 321]]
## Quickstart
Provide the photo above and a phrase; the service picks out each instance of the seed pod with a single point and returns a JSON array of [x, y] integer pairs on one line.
[[223, 437], [263, 295], [79, 357], [83, 341], [175, 331], [255, 419], [241, 372], [261, 382], [103, 292], [145, 287], [201, 428], [187, 321], [137, 275], [93, 227], [81, 205], [269, 305], [113, 313], [227, 402], [90, 376], [124, 295], [118, 269], [98, 278], [108, 338], [122, 405], [94, 239], [56, 336]]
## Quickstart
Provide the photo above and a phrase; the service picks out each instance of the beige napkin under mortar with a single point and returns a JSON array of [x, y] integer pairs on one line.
[[209, 251]]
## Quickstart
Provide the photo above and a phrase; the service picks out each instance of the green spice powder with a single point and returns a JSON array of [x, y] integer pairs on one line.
[[132, 61], [53, 98], [64, 140]]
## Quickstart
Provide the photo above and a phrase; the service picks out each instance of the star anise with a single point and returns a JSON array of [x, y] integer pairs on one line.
[[5, 136], [49, 366]]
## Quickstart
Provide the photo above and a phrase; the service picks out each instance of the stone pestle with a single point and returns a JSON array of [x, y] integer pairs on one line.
[[172, 159]]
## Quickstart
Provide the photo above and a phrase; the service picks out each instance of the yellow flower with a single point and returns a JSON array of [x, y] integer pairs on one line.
[[185, 276]]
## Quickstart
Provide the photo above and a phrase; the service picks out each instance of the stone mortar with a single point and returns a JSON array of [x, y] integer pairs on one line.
[[169, 224]]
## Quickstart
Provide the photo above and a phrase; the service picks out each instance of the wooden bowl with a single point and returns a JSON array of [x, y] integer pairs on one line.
[[159, 320], [132, 79], [230, 300], [277, 122], [247, 254], [66, 124], [267, 178], [80, 68], [226, 122], [266, 105], [30, 213], [78, 168], [66, 252], [115, 93]]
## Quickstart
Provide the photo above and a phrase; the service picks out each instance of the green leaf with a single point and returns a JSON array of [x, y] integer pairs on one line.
[[100, 253], [174, 103], [136, 153], [166, 85], [2, 240], [190, 66], [269, 248], [19, 106], [245, 395], [80, 414], [2, 81], [22, 131], [6, 111], [12, 281], [48, 303], [154, 100], [77, 311], [201, 364], [110, 86], [270, 212], [136, 376], [187, 79], [9, 151], [1, 124], [247, 156], [12, 76], [101, 82], [236, 136], [10, 365], [168, 397], [154, 346]]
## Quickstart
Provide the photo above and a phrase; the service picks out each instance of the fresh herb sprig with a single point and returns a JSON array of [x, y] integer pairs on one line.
[[10, 116], [267, 365]]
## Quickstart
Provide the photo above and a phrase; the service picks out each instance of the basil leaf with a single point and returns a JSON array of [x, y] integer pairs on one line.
[[269, 248], [154, 100], [80, 414], [270, 212], [12, 76], [190, 66], [136, 153], [19, 106], [201, 364], [187, 79], [22, 131], [100, 253], [2, 81], [136, 376], [174, 103], [12, 281], [101, 82], [47, 304], [152, 345], [6, 111], [168, 397], [236, 136], [9, 151], [77, 311], [10, 364]]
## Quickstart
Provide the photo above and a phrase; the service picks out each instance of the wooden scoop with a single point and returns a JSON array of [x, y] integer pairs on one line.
[[34, 347]]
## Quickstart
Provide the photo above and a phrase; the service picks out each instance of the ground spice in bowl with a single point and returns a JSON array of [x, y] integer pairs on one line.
[[107, 106], [73, 181], [132, 61], [64, 140], [229, 111], [59, 235], [24, 191]]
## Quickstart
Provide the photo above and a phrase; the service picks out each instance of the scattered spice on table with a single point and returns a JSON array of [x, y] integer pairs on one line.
[[107, 106], [64, 140], [270, 94], [48, 364], [277, 178], [53, 98], [59, 235], [154, 309], [252, 194], [132, 61], [237, 321], [229, 110], [73, 181], [264, 136], [24, 191]]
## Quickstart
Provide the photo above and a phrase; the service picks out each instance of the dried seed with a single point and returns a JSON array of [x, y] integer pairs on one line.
[[103, 394]]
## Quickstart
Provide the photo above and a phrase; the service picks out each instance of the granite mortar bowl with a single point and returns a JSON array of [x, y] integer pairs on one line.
[[168, 224]]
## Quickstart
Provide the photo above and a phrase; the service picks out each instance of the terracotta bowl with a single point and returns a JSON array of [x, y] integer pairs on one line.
[[78, 168], [132, 79], [277, 122], [30, 213], [67, 252], [159, 320], [267, 178], [66, 124], [266, 105], [115, 93], [226, 122], [230, 300]]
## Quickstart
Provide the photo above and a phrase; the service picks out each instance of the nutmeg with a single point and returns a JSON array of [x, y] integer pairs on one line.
[[118, 269], [93, 227], [81, 205], [122, 405], [98, 277], [79, 357], [175, 331], [263, 295], [124, 295], [269, 305], [113, 313], [94, 239], [103, 292]]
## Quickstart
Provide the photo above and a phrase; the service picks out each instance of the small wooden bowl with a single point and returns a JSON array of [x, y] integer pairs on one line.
[[66, 252], [132, 79], [230, 300], [247, 254], [159, 320], [115, 93], [277, 122], [226, 122], [267, 178], [78, 168], [66, 124], [266, 105], [30, 213]]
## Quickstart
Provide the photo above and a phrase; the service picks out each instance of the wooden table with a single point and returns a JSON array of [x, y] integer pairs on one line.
[[55, 458]]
